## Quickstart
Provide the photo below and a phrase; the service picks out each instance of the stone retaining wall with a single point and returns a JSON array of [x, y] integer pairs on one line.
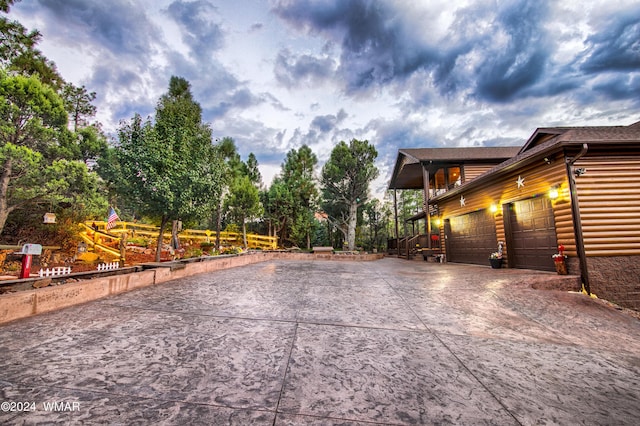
[[617, 279], [26, 303]]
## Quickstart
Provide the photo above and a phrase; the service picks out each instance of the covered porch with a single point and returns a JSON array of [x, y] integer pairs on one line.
[[434, 171]]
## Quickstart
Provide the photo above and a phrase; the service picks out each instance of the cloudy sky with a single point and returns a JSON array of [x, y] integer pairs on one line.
[[402, 74]]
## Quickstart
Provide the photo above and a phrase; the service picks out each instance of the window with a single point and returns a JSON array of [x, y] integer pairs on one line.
[[455, 178], [444, 179]]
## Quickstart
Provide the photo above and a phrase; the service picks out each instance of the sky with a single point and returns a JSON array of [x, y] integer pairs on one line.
[[275, 75]]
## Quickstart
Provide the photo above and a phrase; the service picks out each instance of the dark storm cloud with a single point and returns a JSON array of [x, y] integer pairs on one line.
[[375, 47], [326, 123], [519, 62], [619, 87], [198, 31], [117, 26], [617, 46], [238, 99], [291, 70], [505, 59]]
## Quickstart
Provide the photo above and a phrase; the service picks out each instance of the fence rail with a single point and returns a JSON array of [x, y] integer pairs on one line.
[[95, 233]]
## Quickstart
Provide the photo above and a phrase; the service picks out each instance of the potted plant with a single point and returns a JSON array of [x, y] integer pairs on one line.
[[495, 258], [560, 261]]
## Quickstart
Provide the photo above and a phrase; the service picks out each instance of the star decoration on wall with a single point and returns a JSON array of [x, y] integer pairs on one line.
[[462, 201], [520, 182]]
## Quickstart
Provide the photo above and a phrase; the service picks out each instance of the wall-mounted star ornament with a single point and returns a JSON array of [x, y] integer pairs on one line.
[[462, 201], [520, 182]]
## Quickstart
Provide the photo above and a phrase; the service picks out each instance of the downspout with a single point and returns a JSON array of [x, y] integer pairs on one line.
[[575, 213]]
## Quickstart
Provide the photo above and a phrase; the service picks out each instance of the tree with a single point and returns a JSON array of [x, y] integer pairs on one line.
[[18, 54], [170, 169], [78, 104], [278, 202], [92, 144], [252, 170], [345, 182], [243, 202], [409, 204], [376, 220], [231, 167], [32, 125], [298, 175], [38, 154]]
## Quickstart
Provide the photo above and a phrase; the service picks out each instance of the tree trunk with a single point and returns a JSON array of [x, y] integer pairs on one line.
[[218, 225], [163, 223], [353, 221], [5, 178], [244, 233], [175, 241]]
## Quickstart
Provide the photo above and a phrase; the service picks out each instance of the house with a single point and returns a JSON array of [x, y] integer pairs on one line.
[[436, 171], [578, 187]]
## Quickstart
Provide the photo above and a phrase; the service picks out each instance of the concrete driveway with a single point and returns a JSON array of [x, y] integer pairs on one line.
[[321, 342]]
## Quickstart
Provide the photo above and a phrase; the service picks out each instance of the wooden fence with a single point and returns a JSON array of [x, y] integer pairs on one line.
[[96, 237]]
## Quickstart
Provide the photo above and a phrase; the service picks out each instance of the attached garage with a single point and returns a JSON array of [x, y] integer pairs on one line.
[[471, 237], [531, 234]]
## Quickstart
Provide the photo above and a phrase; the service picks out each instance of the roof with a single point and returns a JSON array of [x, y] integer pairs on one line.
[[586, 134], [407, 173], [460, 154], [555, 140]]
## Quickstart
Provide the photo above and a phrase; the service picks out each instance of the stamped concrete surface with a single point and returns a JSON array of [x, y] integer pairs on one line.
[[321, 342]]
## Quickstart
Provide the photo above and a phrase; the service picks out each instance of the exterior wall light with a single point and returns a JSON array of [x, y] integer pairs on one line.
[[554, 193], [580, 171], [493, 208]]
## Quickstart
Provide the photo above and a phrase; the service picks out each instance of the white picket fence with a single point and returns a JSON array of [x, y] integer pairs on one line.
[[108, 266], [59, 270]]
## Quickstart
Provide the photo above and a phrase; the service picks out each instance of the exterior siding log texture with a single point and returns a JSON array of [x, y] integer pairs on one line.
[[609, 199], [538, 179]]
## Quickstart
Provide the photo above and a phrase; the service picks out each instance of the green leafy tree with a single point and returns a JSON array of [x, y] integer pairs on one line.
[[231, 167], [92, 144], [376, 218], [78, 103], [345, 181], [252, 170], [298, 174], [18, 53], [244, 202], [39, 156], [278, 202], [170, 170], [32, 135], [409, 204]]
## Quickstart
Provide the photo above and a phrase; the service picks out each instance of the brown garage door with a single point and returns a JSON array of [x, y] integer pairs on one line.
[[533, 234], [471, 238]]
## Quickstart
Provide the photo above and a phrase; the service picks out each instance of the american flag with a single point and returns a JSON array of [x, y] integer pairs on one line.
[[111, 220]]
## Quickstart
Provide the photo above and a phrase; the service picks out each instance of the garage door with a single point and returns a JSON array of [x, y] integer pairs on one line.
[[471, 238], [533, 234]]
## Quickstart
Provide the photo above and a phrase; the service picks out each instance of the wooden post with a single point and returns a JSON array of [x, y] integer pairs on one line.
[[395, 210], [427, 213]]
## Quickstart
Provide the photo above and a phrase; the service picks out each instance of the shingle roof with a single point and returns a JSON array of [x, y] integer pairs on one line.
[[461, 153], [566, 136], [407, 173]]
